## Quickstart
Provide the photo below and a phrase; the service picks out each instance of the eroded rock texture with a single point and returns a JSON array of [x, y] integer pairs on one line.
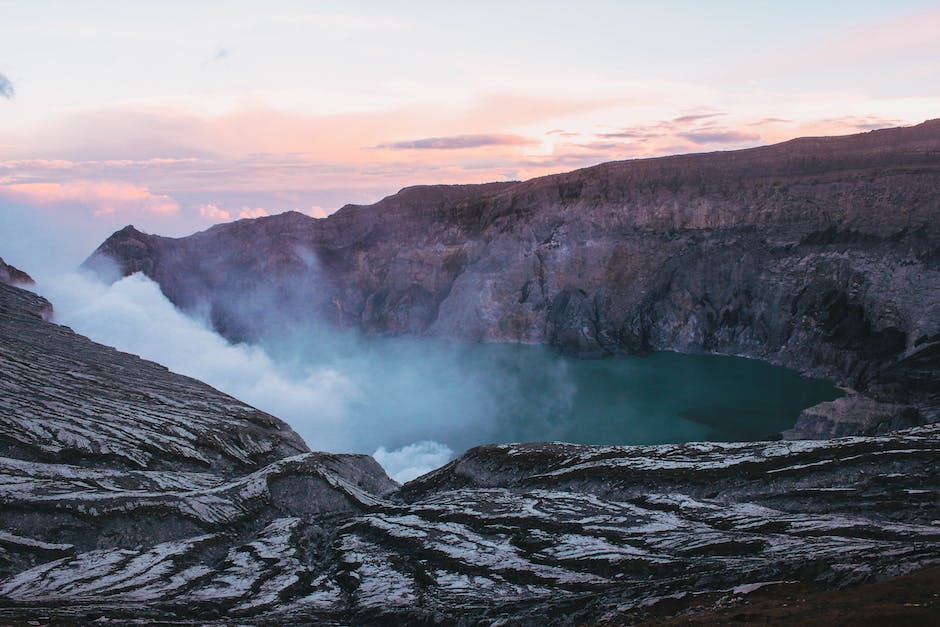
[[130, 493], [66, 398], [821, 254]]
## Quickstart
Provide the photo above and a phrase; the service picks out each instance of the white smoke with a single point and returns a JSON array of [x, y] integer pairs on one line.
[[413, 460], [413, 404], [409, 403], [134, 316]]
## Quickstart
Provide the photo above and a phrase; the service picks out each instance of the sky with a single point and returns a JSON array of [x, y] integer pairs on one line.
[[174, 116]]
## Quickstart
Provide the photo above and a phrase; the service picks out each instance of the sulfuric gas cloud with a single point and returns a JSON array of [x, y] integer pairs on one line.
[[412, 403]]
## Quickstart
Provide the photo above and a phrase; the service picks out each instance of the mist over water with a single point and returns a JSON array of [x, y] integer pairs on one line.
[[416, 403]]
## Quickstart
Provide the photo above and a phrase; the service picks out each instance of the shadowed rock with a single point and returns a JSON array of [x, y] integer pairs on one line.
[[852, 415], [13, 276]]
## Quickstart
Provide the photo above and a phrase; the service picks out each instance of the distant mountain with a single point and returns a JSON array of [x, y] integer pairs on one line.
[[129, 494], [821, 254]]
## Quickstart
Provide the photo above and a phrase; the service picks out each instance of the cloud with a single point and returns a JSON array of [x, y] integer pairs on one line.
[[626, 134], [259, 156], [6, 88], [604, 146], [842, 125], [867, 122], [696, 117], [316, 211], [215, 213], [719, 137], [133, 315], [873, 126], [249, 212], [102, 197], [458, 142], [342, 392]]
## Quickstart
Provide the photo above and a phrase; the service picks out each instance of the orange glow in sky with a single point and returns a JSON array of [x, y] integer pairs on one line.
[[177, 115]]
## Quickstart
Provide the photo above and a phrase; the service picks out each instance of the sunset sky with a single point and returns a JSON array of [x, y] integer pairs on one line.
[[176, 115]]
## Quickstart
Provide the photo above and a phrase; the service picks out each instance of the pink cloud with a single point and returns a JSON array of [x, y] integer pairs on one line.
[[458, 142], [316, 211], [248, 212], [255, 161], [102, 197], [215, 213]]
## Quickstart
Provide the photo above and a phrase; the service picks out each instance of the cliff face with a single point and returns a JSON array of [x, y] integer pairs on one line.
[[129, 493], [822, 254]]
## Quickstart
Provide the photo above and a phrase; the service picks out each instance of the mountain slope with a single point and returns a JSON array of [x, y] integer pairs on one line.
[[129, 493], [65, 397]]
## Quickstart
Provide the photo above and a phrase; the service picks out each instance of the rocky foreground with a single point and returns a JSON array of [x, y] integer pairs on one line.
[[130, 493], [820, 254]]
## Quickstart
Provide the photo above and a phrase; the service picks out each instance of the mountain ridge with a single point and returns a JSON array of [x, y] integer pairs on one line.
[[820, 254]]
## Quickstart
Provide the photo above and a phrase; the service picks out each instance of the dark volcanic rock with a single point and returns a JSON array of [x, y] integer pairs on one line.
[[131, 481], [852, 415], [129, 493], [821, 254], [13, 276]]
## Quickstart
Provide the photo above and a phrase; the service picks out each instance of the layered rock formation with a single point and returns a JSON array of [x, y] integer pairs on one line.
[[851, 415], [132, 493], [66, 398], [821, 254]]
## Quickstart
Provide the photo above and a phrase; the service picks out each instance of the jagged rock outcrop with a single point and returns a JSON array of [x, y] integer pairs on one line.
[[821, 254], [129, 493], [13, 276]]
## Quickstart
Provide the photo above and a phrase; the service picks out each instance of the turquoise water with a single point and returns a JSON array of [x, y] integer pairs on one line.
[[463, 395], [660, 398]]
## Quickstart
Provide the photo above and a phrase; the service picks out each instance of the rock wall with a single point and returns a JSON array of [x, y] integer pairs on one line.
[[821, 254], [13, 276]]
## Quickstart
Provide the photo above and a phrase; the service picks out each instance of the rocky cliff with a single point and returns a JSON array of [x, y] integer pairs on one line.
[[132, 494], [821, 254], [13, 276]]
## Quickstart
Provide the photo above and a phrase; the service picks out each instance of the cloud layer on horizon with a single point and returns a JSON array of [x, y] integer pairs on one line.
[[99, 197], [458, 142], [214, 136], [236, 176]]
